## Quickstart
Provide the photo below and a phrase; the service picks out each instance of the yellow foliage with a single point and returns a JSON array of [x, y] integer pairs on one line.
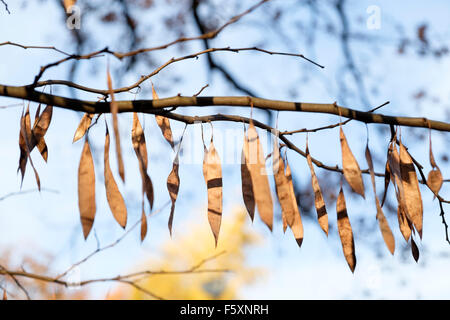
[[190, 249]]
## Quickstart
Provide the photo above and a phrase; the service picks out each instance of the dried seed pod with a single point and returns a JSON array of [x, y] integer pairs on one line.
[[23, 150], [114, 111], [83, 126], [39, 130], [386, 231], [140, 149], [163, 122], [213, 177], [173, 185], [319, 203], [86, 189], [247, 186], [403, 223], [352, 172], [434, 179], [394, 165], [345, 231], [258, 173], [297, 225], [115, 199], [413, 198], [25, 143], [143, 224], [282, 186], [387, 179]]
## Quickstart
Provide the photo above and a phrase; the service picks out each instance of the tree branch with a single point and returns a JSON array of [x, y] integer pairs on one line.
[[331, 126], [155, 106], [121, 279], [33, 47], [119, 55], [11, 194], [37, 83], [6, 6], [207, 35]]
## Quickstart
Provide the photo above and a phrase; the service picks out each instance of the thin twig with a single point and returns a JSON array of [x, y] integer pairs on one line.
[[330, 126], [6, 6], [201, 90], [33, 47], [112, 244], [17, 282], [11, 194], [127, 279], [207, 35], [11, 106], [71, 57], [444, 222], [37, 83]]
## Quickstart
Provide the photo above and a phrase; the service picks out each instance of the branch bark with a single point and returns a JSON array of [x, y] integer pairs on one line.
[[157, 106]]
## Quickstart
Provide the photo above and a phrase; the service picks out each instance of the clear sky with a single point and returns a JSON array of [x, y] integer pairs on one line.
[[50, 221]]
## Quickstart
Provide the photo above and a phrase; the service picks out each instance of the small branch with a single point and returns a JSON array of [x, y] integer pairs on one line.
[[138, 287], [12, 106], [207, 35], [424, 180], [33, 47], [210, 59], [201, 90], [71, 57], [114, 243], [37, 83], [347, 52], [127, 279], [440, 199], [11, 194], [330, 126], [444, 222], [6, 6], [17, 282]]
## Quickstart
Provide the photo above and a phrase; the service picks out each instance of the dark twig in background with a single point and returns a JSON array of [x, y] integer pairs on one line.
[[6, 6]]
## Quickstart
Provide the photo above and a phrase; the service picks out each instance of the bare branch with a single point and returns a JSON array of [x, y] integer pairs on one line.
[[11, 194], [201, 90], [329, 126], [148, 76], [70, 57], [155, 106], [6, 6], [19, 285], [127, 279], [12, 106], [444, 222], [33, 47], [113, 244], [208, 35]]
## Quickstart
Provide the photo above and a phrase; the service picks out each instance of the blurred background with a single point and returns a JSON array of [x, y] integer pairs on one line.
[[373, 51]]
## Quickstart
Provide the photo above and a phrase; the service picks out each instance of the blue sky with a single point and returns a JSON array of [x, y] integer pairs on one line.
[[49, 221]]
